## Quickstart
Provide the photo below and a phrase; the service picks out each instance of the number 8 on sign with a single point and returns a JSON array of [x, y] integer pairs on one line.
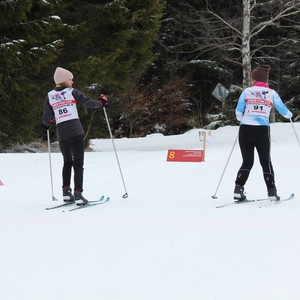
[[171, 154]]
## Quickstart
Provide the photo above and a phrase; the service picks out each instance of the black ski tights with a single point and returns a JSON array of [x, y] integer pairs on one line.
[[72, 150], [251, 137]]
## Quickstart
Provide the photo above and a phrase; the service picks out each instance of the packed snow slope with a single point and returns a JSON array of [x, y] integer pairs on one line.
[[167, 240]]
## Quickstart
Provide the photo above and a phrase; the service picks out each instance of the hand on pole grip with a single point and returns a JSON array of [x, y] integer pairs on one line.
[[46, 127], [103, 100], [295, 117]]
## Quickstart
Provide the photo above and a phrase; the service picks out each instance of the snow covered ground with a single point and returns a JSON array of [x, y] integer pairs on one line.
[[167, 240]]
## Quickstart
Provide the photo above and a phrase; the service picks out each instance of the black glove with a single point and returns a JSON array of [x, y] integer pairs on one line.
[[44, 131], [295, 117], [103, 100], [46, 127]]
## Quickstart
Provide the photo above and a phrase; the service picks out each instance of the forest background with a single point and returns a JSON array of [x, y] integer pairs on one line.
[[158, 62]]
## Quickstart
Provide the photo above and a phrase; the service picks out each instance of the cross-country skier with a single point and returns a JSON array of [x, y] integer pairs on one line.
[[253, 111], [62, 102]]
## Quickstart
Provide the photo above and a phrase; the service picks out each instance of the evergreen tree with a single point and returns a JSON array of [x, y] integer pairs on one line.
[[110, 45], [28, 42], [112, 41]]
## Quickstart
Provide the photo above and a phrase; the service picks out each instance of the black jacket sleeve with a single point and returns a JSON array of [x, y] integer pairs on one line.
[[83, 100], [47, 113]]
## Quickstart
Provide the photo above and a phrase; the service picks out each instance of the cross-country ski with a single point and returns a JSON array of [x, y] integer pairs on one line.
[[101, 199], [90, 203], [256, 200]]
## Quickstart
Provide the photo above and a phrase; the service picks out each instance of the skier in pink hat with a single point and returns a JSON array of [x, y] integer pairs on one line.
[[62, 102]]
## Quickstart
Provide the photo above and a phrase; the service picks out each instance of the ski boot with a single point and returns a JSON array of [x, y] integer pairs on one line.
[[238, 194], [67, 195], [79, 199], [272, 194]]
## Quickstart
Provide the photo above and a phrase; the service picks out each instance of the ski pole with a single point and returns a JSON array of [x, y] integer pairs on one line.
[[49, 151], [295, 131], [214, 196], [109, 129]]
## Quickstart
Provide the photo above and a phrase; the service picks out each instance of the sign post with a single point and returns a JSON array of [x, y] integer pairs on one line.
[[220, 92]]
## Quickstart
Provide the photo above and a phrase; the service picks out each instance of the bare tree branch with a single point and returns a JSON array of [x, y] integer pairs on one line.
[[229, 35]]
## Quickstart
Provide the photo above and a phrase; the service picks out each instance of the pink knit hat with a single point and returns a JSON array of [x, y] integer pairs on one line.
[[61, 75]]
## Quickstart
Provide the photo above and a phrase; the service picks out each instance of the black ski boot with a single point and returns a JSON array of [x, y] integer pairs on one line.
[[79, 199], [238, 194], [67, 195], [272, 194]]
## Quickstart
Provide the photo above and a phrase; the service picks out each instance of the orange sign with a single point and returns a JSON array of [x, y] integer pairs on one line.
[[185, 155]]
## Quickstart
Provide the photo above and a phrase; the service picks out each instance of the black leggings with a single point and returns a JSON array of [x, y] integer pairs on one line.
[[258, 137], [72, 150]]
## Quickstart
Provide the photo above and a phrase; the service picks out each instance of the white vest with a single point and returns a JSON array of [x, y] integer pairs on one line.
[[63, 104]]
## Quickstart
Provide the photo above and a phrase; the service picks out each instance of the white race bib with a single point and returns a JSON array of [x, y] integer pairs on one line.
[[258, 102], [63, 105]]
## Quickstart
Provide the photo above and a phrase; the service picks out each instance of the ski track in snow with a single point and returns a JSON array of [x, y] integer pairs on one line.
[[166, 240]]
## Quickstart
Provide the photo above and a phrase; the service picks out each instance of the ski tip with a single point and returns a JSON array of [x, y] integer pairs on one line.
[[103, 199], [107, 199]]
